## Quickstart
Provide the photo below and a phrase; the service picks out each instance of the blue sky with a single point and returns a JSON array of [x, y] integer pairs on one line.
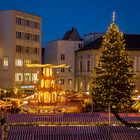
[[87, 16]]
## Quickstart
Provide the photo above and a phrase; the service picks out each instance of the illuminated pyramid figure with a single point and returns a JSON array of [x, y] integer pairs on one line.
[[49, 88]]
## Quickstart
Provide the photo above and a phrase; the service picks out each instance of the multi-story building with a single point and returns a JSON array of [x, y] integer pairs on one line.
[[20, 44], [63, 52], [86, 60]]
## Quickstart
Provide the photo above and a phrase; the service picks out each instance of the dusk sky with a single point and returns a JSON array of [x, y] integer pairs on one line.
[[87, 16]]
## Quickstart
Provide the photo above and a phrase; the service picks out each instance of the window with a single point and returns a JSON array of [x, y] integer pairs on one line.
[[35, 24], [27, 22], [81, 66], [62, 56], [18, 21], [34, 77], [54, 96], [80, 45], [62, 69], [19, 48], [88, 86], [69, 82], [42, 83], [88, 65], [5, 61], [34, 50], [134, 63], [19, 62], [47, 84], [27, 77], [81, 85], [36, 38], [62, 81], [27, 49], [18, 77], [18, 35], [70, 69], [28, 36], [27, 61]]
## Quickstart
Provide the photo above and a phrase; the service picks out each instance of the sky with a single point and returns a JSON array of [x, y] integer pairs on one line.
[[59, 16]]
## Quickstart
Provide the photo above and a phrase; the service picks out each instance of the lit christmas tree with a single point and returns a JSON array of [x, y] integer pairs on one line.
[[113, 81]]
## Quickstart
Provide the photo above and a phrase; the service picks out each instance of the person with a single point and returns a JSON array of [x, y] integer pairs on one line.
[[2, 121]]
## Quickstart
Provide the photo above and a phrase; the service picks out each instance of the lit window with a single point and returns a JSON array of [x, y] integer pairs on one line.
[[42, 83], [34, 77], [81, 85], [47, 83], [47, 72], [19, 62], [62, 81], [27, 61], [88, 86], [5, 61], [54, 96], [69, 82], [27, 77], [18, 77], [134, 63]]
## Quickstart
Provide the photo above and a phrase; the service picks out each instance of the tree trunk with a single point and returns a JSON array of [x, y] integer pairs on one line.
[[115, 112]]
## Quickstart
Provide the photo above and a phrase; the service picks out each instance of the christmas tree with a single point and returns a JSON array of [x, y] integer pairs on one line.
[[113, 81]]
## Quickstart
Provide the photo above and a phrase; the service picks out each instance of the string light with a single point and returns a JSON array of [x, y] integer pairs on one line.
[[112, 79]]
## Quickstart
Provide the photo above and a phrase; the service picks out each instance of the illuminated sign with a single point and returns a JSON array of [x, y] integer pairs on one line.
[[27, 86]]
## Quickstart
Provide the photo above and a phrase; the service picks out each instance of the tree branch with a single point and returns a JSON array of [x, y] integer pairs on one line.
[[123, 121]]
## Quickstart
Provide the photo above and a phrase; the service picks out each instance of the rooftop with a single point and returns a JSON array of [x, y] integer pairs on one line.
[[132, 42], [72, 34]]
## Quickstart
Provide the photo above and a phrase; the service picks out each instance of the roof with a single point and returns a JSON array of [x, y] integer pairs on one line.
[[22, 11], [132, 42], [72, 34]]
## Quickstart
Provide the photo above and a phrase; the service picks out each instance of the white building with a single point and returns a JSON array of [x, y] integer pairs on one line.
[[86, 60], [63, 52], [20, 44]]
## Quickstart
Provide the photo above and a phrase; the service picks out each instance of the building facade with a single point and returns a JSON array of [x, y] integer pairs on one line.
[[20, 44], [86, 60], [63, 52]]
